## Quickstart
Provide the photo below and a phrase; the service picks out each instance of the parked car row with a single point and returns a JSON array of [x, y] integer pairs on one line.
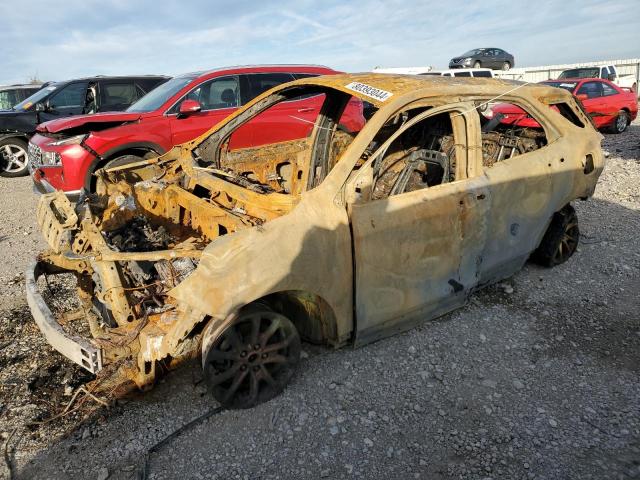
[[65, 153], [605, 72]]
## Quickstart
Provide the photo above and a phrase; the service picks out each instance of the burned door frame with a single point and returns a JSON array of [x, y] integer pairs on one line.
[[395, 290], [520, 191]]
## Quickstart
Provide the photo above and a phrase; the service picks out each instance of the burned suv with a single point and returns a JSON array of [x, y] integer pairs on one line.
[[236, 254]]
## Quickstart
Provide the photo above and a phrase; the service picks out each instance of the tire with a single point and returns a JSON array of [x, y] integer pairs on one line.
[[14, 161], [560, 240], [253, 359], [621, 122], [114, 162], [477, 65], [506, 66]]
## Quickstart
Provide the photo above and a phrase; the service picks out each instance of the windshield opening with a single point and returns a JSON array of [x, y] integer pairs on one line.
[[473, 52], [286, 159], [158, 96], [40, 95]]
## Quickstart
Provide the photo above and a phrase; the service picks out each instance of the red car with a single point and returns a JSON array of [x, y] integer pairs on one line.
[[64, 153], [609, 106]]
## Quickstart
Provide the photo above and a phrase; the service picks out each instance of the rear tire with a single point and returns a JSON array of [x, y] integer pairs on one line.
[[621, 122], [560, 240], [506, 66], [14, 160]]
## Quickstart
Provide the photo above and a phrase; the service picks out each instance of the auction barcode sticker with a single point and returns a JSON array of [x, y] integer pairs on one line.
[[369, 91]]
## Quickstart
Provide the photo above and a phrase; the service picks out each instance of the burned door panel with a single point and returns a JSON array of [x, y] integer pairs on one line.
[[417, 242], [518, 164], [416, 255]]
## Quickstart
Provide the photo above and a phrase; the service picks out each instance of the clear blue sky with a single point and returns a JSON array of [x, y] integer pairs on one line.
[[71, 38]]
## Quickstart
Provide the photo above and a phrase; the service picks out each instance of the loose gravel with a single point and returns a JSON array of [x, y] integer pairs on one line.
[[536, 378]]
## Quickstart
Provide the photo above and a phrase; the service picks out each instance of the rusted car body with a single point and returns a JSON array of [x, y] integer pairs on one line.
[[345, 237]]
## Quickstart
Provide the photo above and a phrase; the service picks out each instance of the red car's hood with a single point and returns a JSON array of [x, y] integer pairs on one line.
[[97, 121]]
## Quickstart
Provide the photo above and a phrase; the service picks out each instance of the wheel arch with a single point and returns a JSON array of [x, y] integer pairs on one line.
[[313, 316], [18, 135], [141, 149]]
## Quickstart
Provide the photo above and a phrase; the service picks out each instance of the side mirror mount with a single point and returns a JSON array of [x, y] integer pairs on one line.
[[582, 97], [189, 107], [40, 107]]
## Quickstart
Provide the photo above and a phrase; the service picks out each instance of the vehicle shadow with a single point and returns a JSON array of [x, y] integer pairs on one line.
[[382, 377], [625, 145]]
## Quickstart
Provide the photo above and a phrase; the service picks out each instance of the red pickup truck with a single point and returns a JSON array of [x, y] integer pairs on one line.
[[64, 153]]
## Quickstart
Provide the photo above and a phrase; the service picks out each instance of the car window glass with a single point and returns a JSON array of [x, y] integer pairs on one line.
[[117, 95], [462, 74], [608, 90], [591, 89], [140, 91], [261, 82], [568, 86], [508, 131], [72, 95], [38, 96], [156, 97], [218, 93], [482, 73], [7, 99], [580, 73]]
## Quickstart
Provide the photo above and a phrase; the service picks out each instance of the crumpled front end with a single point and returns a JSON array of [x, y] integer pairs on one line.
[[124, 276], [128, 247]]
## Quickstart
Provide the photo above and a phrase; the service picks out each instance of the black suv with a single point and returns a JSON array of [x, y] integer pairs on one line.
[[493, 58], [11, 95], [63, 99]]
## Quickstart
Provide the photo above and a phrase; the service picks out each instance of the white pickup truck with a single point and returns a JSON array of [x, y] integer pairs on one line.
[[607, 72]]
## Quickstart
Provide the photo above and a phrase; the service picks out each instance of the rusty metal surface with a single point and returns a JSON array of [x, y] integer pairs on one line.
[[172, 248]]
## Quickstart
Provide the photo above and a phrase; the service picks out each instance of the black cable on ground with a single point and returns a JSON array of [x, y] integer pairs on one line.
[[143, 468]]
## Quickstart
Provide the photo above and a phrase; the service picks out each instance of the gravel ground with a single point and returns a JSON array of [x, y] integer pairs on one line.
[[537, 378]]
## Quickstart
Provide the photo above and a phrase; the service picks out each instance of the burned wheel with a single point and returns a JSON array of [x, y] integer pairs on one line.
[[253, 359], [560, 240]]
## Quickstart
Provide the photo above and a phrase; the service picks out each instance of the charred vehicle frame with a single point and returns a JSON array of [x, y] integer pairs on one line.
[[237, 255]]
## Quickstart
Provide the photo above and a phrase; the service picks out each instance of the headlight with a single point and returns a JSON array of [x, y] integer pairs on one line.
[[467, 61], [51, 158], [70, 141]]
